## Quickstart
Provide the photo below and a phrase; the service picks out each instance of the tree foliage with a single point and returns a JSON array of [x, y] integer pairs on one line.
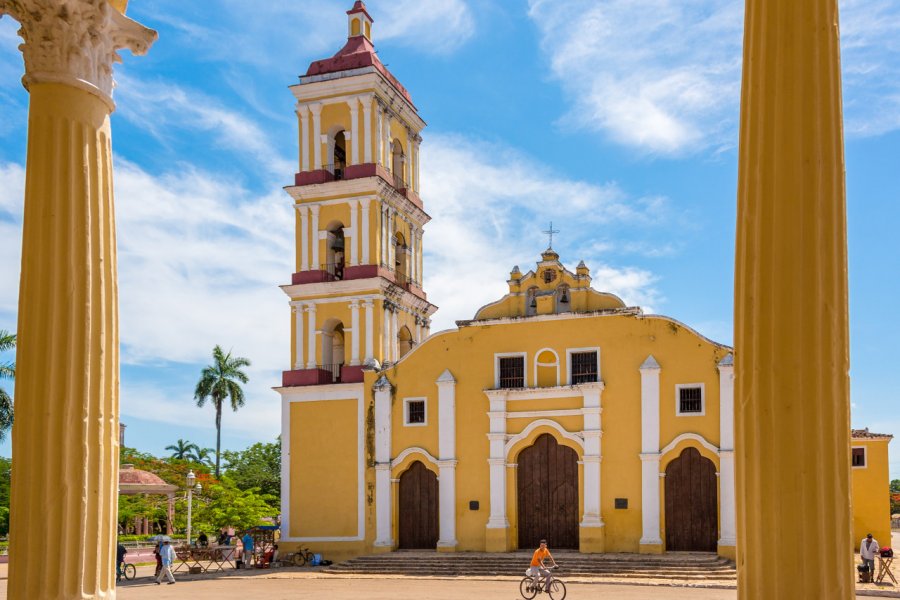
[[182, 449], [259, 466], [220, 381], [7, 371], [224, 504]]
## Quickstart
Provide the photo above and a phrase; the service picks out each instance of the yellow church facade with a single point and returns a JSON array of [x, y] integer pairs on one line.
[[556, 412]]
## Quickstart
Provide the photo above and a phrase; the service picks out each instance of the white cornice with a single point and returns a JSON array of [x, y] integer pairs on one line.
[[371, 288], [356, 189], [609, 312]]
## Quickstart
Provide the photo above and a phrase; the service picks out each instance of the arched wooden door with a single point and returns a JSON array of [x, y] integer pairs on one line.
[[418, 508], [547, 485], [691, 507]]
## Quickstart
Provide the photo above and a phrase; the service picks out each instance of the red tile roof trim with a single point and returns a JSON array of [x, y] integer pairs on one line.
[[360, 7], [357, 53], [865, 433]]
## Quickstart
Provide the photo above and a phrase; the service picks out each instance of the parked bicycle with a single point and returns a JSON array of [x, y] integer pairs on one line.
[[129, 571], [531, 586], [300, 558]]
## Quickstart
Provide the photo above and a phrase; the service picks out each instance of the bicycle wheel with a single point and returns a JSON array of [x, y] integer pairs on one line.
[[129, 571], [557, 590], [528, 588], [299, 559]]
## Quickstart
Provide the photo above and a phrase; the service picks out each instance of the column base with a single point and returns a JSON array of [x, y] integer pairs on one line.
[[592, 539], [496, 539], [383, 546], [652, 547], [448, 546], [727, 549]]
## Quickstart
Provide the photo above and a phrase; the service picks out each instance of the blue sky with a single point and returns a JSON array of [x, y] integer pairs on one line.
[[615, 119]]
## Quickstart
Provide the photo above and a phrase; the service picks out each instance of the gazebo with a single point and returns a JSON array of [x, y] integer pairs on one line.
[[135, 481]]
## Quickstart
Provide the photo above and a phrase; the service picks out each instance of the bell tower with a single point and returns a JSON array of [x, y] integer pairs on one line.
[[356, 294]]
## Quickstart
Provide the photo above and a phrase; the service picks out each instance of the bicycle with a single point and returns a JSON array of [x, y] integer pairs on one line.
[[300, 558], [531, 586], [129, 571]]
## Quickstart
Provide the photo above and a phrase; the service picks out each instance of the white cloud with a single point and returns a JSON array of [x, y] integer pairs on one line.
[[663, 76], [159, 107], [12, 196], [436, 26], [489, 205]]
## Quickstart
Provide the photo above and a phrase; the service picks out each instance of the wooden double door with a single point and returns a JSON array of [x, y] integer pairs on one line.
[[547, 492], [418, 519], [691, 503]]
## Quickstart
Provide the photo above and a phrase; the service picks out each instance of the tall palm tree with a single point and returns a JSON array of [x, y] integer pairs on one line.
[[7, 371], [182, 450], [219, 381]]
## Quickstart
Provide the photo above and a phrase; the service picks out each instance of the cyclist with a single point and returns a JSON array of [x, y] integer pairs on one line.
[[121, 551], [537, 565]]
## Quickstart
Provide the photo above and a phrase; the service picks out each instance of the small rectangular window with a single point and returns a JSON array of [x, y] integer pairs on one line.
[[859, 457], [415, 412], [512, 372], [690, 400], [584, 368]]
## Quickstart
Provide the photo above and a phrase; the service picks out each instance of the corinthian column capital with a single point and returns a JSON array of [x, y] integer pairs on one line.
[[76, 42]]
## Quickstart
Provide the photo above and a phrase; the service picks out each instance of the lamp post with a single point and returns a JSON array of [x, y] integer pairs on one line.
[[191, 478]]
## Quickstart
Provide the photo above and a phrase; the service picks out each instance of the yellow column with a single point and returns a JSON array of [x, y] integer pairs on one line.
[[65, 437], [791, 336]]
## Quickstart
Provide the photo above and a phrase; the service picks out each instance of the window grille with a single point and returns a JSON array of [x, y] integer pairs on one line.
[[690, 400], [549, 275], [415, 412], [512, 372], [584, 368], [859, 457]]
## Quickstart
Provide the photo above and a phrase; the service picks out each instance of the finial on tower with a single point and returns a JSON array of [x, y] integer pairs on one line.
[[359, 22], [550, 232]]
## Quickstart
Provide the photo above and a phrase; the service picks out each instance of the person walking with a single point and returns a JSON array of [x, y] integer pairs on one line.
[[538, 568], [167, 555], [868, 548]]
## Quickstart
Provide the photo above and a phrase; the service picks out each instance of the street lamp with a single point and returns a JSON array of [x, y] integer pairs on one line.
[[191, 478]]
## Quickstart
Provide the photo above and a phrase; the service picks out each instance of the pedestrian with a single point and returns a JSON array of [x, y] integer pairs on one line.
[[868, 548], [121, 551], [202, 540], [156, 555], [167, 556], [247, 542]]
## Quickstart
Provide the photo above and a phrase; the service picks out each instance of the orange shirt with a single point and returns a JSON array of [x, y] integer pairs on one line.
[[540, 555]]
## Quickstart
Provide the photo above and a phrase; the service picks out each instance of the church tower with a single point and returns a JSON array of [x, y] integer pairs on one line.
[[357, 294]]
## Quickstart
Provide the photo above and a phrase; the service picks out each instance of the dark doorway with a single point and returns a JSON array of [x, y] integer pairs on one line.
[[691, 508], [418, 508], [547, 486]]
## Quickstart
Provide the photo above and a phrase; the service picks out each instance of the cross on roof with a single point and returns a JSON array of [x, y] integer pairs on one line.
[[550, 232]]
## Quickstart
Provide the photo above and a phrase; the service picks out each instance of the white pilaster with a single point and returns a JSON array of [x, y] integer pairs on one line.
[[354, 340], [386, 335], [383, 501], [303, 115], [412, 249], [299, 340], [354, 130], [395, 330], [592, 434], [354, 225], [311, 337], [388, 144], [314, 236], [304, 237], [447, 458], [383, 244], [391, 243], [497, 460], [379, 133], [370, 330], [418, 330], [367, 128], [420, 259], [726, 451], [650, 452], [417, 165], [316, 110], [364, 228]]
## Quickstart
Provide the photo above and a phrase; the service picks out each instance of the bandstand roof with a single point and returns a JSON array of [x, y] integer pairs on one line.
[[135, 481]]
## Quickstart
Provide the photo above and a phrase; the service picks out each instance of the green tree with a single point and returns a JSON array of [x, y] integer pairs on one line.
[[7, 371], [223, 504], [182, 450], [203, 456], [5, 472], [895, 486], [259, 466], [218, 382]]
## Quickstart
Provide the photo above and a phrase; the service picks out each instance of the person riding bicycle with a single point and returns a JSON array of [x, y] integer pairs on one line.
[[537, 565]]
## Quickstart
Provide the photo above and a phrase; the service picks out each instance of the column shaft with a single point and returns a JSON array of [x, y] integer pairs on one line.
[[314, 237], [791, 331], [383, 501], [311, 337], [65, 436], [367, 129], [354, 131], [304, 238], [370, 330], [354, 228], [303, 115], [365, 234], [317, 136], [354, 339], [299, 339]]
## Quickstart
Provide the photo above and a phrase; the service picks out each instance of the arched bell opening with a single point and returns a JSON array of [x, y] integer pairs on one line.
[[405, 339], [398, 161], [401, 261], [339, 155], [333, 348]]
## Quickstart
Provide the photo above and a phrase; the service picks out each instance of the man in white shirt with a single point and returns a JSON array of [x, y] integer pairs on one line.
[[868, 549], [167, 553]]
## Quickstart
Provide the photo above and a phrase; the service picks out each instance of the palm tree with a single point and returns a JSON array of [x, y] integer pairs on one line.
[[182, 450], [7, 371], [203, 456], [219, 381]]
